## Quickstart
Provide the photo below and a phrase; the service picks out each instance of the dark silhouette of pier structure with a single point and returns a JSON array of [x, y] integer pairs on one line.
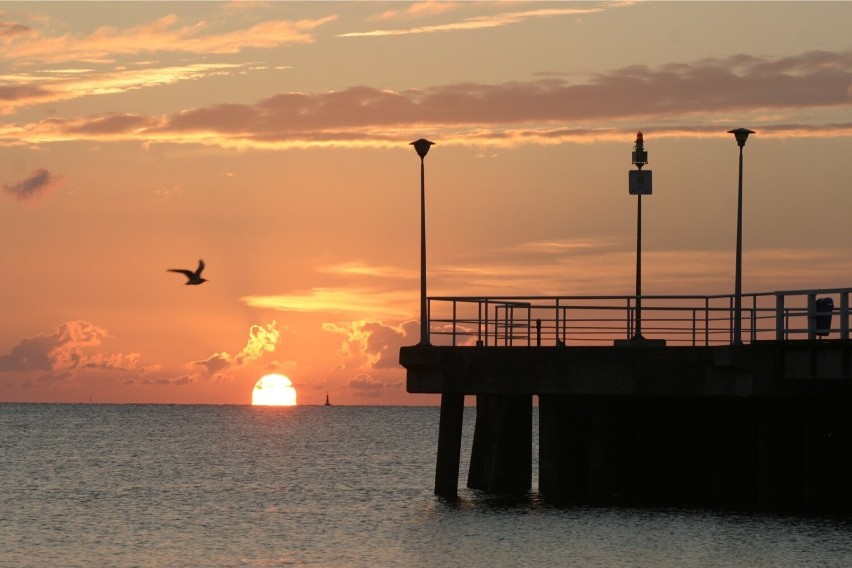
[[683, 416]]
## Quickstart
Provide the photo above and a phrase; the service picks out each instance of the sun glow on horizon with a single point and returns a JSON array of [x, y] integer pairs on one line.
[[273, 390]]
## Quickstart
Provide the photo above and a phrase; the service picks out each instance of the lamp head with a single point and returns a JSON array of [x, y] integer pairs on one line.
[[741, 134], [422, 147]]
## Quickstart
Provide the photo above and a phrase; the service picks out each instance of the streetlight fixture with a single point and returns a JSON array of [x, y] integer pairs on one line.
[[741, 134], [422, 146]]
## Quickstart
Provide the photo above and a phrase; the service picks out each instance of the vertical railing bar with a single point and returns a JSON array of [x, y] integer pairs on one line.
[[428, 317], [529, 323], [631, 324], [556, 324], [486, 319], [786, 324], [479, 342], [694, 311], [811, 316], [731, 319], [455, 323]]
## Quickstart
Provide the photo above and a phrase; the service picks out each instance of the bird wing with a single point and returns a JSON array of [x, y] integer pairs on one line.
[[200, 267], [187, 273]]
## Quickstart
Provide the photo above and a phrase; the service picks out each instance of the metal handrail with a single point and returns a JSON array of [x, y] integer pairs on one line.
[[678, 319]]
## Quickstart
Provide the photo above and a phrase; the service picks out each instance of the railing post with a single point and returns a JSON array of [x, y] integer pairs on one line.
[[780, 332], [844, 315], [731, 319], [427, 312], [496, 325], [479, 323], [630, 316], [556, 324], [529, 319], [706, 322], [693, 327], [753, 334], [811, 316], [454, 323]]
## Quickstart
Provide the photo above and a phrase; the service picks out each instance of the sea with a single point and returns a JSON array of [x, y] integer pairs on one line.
[[99, 485]]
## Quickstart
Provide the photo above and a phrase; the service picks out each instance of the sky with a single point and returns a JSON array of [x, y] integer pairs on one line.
[[271, 139]]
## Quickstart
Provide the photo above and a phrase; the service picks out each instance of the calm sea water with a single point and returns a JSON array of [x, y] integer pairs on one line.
[[194, 486]]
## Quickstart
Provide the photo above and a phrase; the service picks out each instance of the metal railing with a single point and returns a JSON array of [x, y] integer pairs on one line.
[[600, 320]]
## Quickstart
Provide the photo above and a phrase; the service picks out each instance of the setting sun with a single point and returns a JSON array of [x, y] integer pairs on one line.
[[273, 390]]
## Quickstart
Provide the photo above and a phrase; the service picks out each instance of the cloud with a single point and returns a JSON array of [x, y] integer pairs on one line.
[[262, 339], [472, 23], [416, 10], [64, 350], [356, 268], [35, 187], [375, 345], [10, 30], [61, 85], [694, 99], [366, 386], [338, 300], [384, 341], [163, 35], [74, 348]]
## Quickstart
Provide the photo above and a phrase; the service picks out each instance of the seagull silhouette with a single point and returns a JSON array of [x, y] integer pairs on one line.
[[192, 278]]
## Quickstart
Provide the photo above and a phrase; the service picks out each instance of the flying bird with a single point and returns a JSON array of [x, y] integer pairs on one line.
[[192, 278]]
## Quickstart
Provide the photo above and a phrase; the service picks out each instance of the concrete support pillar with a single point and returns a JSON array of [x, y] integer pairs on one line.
[[449, 445], [501, 457], [564, 448]]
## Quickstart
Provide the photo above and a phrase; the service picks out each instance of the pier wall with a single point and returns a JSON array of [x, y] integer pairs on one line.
[[766, 426], [753, 453]]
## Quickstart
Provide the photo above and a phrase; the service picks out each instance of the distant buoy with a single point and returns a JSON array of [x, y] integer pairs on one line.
[[327, 403]]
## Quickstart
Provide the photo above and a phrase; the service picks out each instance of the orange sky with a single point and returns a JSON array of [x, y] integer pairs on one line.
[[271, 140]]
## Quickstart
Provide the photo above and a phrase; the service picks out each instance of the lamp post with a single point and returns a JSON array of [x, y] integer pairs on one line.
[[422, 147], [639, 185], [741, 134]]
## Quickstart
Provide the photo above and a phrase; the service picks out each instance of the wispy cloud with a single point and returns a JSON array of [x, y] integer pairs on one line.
[[471, 23], [37, 52], [676, 100], [354, 300], [10, 30], [34, 187], [51, 86], [417, 10], [357, 268], [164, 35]]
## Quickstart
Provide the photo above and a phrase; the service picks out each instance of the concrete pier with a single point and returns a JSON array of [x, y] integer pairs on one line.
[[501, 457], [449, 445], [761, 426]]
